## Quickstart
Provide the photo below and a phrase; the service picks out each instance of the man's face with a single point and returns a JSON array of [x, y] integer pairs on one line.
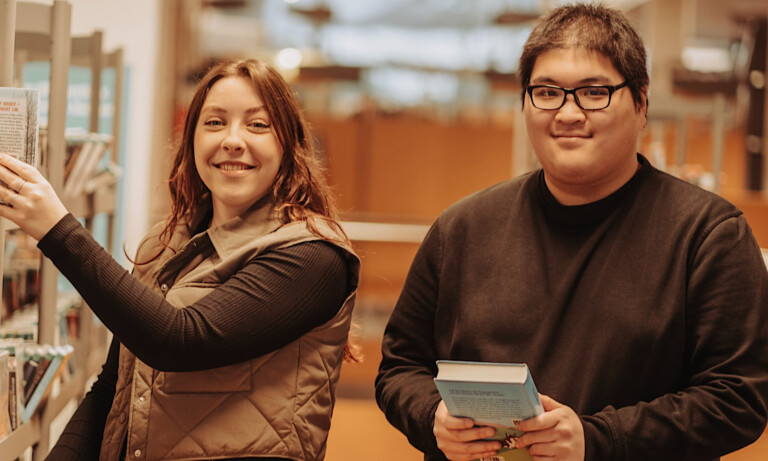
[[586, 154]]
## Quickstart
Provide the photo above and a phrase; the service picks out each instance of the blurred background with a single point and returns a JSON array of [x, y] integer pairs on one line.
[[415, 104]]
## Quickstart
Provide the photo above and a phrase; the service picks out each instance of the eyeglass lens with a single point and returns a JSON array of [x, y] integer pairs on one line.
[[589, 98]]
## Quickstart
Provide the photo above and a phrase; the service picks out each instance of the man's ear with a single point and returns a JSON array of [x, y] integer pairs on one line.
[[643, 107]]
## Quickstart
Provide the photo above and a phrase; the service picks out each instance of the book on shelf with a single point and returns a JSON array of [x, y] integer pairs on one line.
[[500, 395], [22, 324], [84, 153], [20, 274], [34, 369], [15, 348], [5, 394], [103, 178], [58, 359], [29, 375], [20, 123]]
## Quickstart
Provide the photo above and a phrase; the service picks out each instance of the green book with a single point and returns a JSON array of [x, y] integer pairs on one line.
[[500, 395]]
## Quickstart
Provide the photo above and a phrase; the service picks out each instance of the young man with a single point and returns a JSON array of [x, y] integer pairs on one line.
[[639, 302]]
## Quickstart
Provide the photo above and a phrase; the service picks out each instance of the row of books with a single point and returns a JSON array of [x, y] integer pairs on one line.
[[24, 323], [28, 372], [85, 167]]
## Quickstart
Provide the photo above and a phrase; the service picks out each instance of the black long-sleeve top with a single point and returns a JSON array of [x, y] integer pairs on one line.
[[276, 298], [646, 312]]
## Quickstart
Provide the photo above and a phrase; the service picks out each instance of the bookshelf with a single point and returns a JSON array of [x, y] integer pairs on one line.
[[31, 32]]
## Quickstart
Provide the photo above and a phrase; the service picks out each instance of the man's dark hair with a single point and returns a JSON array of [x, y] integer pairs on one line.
[[592, 27]]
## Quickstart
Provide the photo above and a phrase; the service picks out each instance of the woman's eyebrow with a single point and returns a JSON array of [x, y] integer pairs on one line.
[[220, 109]]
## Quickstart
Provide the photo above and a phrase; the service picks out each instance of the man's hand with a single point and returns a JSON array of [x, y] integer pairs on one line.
[[459, 439], [555, 434]]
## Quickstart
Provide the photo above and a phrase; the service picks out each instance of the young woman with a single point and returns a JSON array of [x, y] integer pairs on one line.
[[231, 331]]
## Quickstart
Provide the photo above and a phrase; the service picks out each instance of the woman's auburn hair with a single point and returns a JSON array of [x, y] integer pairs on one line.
[[300, 190]]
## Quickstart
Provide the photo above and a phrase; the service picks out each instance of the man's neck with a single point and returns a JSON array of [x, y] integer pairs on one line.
[[581, 194]]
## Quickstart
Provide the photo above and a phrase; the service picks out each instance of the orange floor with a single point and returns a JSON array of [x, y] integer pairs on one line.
[[758, 451], [360, 431]]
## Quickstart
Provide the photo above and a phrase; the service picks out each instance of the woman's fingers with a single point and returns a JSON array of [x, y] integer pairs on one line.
[[20, 185], [17, 168], [27, 198], [14, 176]]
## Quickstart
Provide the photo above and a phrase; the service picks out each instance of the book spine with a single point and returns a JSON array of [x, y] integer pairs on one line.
[[536, 406], [15, 376], [5, 395], [13, 403], [30, 368], [34, 382]]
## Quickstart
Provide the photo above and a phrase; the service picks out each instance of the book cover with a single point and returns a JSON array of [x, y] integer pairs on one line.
[[19, 123], [500, 395]]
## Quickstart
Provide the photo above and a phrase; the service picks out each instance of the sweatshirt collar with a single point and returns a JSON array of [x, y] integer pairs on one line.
[[589, 213]]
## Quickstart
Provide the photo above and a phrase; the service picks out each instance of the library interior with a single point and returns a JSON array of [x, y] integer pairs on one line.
[[412, 105]]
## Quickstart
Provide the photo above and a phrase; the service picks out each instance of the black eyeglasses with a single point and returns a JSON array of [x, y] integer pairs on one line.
[[592, 97]]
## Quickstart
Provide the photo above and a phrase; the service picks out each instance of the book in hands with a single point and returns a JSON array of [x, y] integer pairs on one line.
[[500, 395]]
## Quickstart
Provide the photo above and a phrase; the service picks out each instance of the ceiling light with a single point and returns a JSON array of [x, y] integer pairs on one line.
[[288, 58]]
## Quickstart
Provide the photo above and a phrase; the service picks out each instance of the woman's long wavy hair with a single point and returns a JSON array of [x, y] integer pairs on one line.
[[300, 190]]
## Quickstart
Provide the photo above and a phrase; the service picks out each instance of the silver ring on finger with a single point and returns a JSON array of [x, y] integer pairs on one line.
[[18, 190], [13, 199]]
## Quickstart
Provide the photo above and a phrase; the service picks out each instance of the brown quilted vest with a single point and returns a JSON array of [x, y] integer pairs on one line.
[[279, 404]]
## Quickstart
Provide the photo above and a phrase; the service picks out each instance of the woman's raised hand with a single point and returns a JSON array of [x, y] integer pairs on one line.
[[27, 198]]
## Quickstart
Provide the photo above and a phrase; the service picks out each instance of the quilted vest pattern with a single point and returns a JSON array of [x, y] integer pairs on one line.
[[279, 404]]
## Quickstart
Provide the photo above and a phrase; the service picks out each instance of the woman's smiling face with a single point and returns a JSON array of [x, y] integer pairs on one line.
[[237, 153]]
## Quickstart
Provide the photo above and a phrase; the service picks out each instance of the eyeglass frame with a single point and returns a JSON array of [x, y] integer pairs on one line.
[[566, 91]]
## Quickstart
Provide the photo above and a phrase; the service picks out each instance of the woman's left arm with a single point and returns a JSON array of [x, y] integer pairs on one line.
[[276, 298]]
